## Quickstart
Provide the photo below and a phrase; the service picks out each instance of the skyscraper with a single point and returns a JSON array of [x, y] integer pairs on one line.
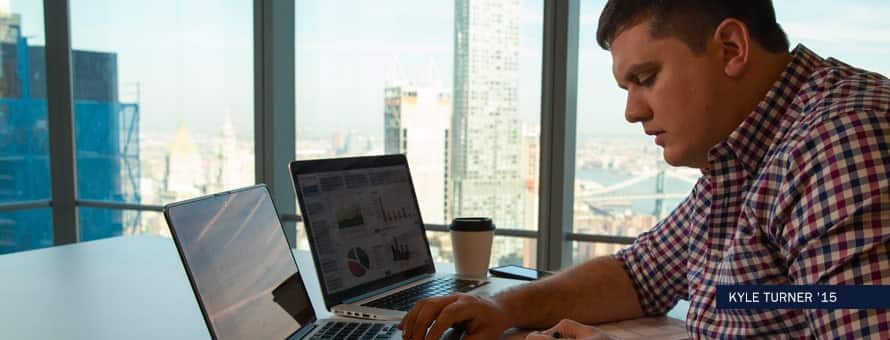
[[416, 121], [485, 146], [106, 138]]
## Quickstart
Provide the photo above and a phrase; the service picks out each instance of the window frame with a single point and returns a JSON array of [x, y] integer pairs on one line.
[[60, 121]]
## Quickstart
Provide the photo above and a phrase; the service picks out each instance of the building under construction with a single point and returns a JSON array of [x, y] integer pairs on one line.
[[106, 140]]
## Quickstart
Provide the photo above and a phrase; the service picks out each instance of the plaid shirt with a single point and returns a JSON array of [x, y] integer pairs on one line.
[[797, 194]]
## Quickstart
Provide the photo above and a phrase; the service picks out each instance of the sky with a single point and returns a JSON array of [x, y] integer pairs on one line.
[[193, 60]]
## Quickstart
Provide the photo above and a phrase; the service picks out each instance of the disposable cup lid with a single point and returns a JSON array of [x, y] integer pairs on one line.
[[472, 224]]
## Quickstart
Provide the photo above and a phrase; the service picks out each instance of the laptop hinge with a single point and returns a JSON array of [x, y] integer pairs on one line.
[[303, 331], [387, 288]]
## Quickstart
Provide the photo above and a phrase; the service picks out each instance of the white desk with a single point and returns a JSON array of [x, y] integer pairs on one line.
[[135, 287], [123, 287]]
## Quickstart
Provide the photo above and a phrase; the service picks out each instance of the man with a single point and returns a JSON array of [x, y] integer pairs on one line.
[[794, 152]]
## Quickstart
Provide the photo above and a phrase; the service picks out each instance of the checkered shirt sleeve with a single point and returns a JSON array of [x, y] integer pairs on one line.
[[656, 261]]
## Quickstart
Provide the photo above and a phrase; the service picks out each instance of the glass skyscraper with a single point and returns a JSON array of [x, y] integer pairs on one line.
[[106, 138], [486, 174]]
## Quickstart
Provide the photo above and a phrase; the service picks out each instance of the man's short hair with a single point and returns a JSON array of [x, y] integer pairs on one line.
[[692, 21]]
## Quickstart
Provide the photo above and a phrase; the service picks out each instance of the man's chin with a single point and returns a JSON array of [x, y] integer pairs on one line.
[[680, 161], [670, 157], [677, 159]]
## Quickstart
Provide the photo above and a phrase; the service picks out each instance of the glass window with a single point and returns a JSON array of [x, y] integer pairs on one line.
[[514, 250], [504, 250], [454, 85], [96, 223], [163, 101], [146, 222], [440, 246], [857, 34], [25, 229], [622, 184], [24, 137], [583, 251]]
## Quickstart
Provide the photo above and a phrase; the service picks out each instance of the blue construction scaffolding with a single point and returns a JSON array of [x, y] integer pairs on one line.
[[106, 140]]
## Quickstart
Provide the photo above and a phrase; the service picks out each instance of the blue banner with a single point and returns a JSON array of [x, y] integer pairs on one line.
[[802, 297]]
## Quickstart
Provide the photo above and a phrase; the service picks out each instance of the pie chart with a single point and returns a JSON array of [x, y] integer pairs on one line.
[[358, 262]]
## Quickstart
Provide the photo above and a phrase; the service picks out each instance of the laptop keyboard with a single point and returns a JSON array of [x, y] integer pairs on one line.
[[354, 330], [440, 286]]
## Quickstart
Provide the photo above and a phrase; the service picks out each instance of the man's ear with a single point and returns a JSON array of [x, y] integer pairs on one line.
[[734, 44]]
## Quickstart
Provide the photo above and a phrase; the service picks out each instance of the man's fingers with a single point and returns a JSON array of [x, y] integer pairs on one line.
[[562, 326], [408, 320], [575, 329], [424, 318], [411, 319], [539, 335], [450, 315], [407, 324], [567, 328], [416, 319]]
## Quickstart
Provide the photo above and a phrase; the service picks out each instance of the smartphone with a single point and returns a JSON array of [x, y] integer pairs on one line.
[[518, 272]]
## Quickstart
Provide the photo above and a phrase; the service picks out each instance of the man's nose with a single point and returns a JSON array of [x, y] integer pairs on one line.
[[636, 109]]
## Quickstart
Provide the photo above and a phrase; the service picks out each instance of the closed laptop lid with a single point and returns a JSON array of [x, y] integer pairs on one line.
[[240, 266], [363, 223]]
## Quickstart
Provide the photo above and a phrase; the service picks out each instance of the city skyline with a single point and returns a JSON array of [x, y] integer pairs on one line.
[[195, 72]]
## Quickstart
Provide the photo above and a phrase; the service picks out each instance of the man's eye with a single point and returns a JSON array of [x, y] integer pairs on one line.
[[647, 80]]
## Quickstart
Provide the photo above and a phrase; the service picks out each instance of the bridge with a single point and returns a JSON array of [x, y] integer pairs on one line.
[[609, 193], [632, 197]]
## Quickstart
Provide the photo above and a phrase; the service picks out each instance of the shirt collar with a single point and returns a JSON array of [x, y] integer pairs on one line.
[[751, 140]]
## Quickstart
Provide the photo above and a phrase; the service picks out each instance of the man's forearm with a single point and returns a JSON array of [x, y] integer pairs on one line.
[[596, 291]]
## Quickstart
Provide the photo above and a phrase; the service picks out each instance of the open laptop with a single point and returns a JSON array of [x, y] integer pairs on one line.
[[244, 275], [367, 238]]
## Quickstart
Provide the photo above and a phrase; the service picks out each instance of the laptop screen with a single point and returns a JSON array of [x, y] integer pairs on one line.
[[240, 266], [364, 222]]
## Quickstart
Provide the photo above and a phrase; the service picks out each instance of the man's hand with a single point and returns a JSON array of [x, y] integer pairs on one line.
[[481, 317], [568, 329]]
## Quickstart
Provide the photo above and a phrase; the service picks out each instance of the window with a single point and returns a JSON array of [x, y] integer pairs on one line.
[[163, 106], [24, 138], [25, 229], [453, 85], [583, 251], [504, 250], [857, 34], [163, 101], [94, 221], [622, 184]]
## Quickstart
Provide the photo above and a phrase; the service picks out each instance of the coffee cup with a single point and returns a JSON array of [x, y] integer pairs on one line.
[[471, 239]]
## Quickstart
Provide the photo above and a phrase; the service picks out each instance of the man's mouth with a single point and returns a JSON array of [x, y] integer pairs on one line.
[[654, 132], [659, 136]]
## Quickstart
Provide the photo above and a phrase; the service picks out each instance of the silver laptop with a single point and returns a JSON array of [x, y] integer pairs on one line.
[[244, 275], [367, 237]]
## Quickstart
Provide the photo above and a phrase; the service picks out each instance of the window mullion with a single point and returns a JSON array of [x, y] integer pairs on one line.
[[558, 113], [63, 163], [274, 106]]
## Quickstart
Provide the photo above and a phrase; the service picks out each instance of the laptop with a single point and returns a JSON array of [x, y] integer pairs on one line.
[[367, 237], [244, 275]]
